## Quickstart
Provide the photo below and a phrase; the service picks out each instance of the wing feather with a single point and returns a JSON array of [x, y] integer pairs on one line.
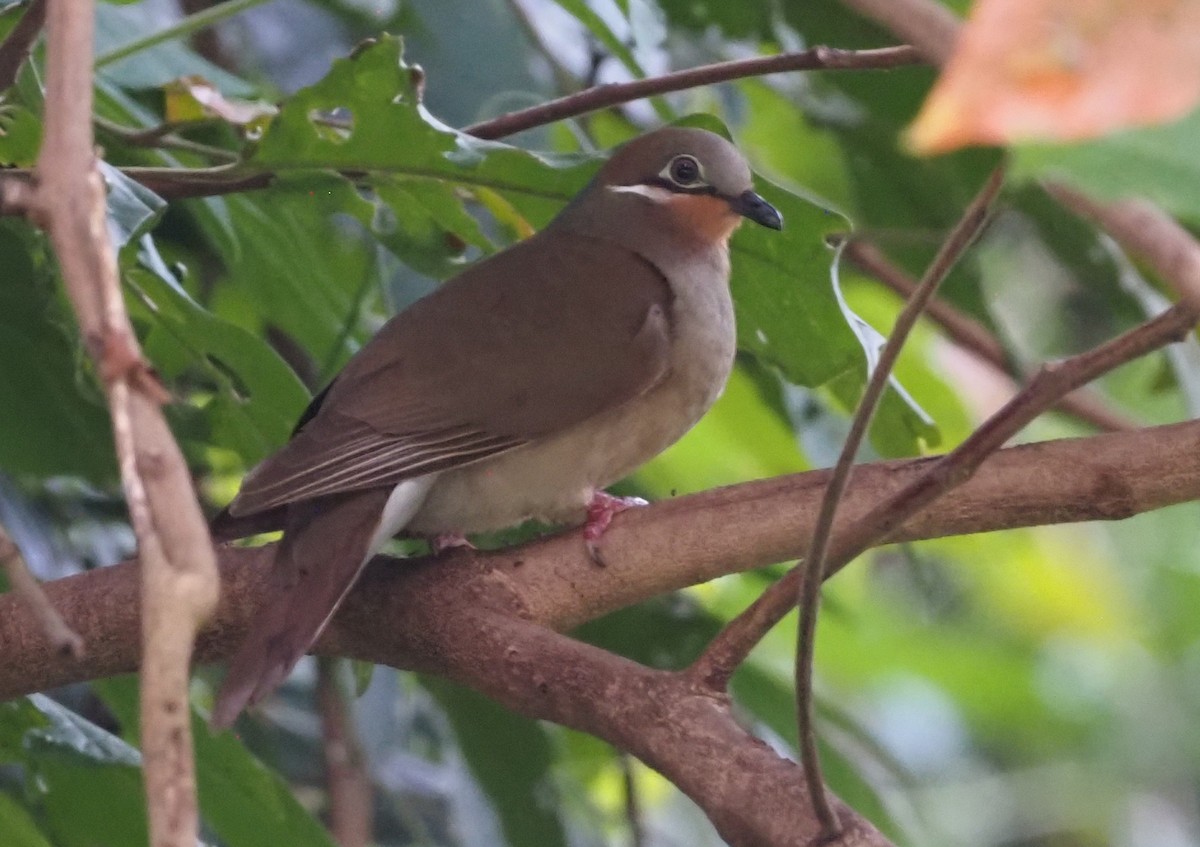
[[454, 379]]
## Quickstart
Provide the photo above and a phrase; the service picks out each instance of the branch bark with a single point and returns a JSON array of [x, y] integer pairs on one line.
[[486, 619], [24, 584], [178, 568]]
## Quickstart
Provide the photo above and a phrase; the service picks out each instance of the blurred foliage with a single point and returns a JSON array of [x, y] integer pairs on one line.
[[1033, 687]]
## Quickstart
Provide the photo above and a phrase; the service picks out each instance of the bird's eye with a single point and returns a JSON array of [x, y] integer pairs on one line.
[[684, 170]]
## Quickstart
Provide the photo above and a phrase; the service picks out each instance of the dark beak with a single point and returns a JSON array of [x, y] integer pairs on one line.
[[750, 205]]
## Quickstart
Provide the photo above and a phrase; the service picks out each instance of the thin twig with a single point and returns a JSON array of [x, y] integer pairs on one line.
[[164, 136], [1051, 383], [184, 183], [64, 640], [19, 44], [1085, 405], [351, 802], [187, 26], [1146, 231], [563, 78], [930, 27], [604, 96], [960, 238], [179, 583]]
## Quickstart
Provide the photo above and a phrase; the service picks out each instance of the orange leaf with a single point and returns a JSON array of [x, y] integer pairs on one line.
[[1063, 70]]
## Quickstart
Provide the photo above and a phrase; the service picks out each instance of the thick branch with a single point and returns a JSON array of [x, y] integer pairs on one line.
[[481, 619], [667, 546]]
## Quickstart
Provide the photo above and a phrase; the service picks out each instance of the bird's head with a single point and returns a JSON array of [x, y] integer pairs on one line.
[[690, 180]]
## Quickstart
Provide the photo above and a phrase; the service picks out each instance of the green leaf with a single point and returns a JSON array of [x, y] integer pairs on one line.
[[152, 64], [300, 264], [54, 414], [17, 827], [511, 757], [92, 781], [423, 223], [131, 207], [20, 135], [258, 397], [17, 718], [1159, 163], [365, 115], [363, 673], [245, 803]]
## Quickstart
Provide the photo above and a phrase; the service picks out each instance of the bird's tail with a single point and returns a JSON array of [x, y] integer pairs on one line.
[[325, 545], [225, 527]]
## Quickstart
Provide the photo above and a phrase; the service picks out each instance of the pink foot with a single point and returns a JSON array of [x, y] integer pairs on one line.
[[444, 541], [600, 513]]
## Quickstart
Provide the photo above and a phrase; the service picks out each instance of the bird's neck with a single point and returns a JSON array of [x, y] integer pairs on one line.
[[665, 240]]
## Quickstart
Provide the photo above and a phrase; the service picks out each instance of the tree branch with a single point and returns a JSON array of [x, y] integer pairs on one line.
[[1084, 404], [184, 183], [178, 568], [604, 96], [969, 225], [23, 584], [929, 26], [347, 781], [16, 48], [482, 619]]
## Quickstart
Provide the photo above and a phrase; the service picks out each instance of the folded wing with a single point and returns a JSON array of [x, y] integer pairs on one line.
[[522, 345]]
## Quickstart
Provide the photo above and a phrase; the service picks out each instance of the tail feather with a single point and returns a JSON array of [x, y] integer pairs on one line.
[[326, 543]]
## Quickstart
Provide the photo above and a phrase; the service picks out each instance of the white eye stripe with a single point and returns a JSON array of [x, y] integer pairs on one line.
[[653, 192]]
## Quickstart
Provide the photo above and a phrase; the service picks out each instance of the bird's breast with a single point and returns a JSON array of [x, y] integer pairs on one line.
[[553, 479]]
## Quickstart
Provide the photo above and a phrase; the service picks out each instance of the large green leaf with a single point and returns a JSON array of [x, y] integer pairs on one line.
[[295, 262], [54, 415], [1160, 163], [117, 27], [258, 397], [17, 826], [245, 803], [92, 780], [511, 758]]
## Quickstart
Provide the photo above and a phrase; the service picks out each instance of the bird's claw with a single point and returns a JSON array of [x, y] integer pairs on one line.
[[600, 513], [444, 541]]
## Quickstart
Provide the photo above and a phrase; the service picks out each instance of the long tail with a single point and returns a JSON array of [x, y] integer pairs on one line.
[[325, 545]]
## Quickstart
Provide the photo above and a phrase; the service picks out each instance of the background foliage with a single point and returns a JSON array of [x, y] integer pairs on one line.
[[1030, 687]]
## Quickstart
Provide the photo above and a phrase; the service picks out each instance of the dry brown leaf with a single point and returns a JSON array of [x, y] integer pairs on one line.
[[192, 98], [1063, 70]]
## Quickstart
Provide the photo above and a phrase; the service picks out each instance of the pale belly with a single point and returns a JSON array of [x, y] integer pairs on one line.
[[553, 480]]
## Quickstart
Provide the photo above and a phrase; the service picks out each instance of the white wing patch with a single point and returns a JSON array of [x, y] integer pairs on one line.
[[404, 502]]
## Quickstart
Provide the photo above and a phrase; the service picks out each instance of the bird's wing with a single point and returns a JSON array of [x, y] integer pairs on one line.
[[525, 344]]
